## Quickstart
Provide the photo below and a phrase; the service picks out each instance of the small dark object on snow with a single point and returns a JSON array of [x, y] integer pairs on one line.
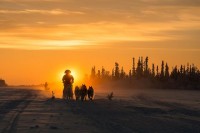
[[53, 127], [110, 96], [32, 127], [53, 95]]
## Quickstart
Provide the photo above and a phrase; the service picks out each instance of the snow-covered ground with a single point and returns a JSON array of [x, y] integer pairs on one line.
[[26, 110]]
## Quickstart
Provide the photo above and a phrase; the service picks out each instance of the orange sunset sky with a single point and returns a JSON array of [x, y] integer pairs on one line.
[[39, 39]]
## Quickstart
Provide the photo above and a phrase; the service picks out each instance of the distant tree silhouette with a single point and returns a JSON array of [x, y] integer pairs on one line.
[[122, 74], [181, 69], [166, 71], [103, 72], [117, 73], [139, 69], [107, 74], [133, 68], [146, 67], [113, 73], [183, 77], [130, 74], [188, 69], [157, 72], [99, 74], [184, 70], [93, 72], [162, 71], [2, 83], [174, 73], [142, 66], [153, 71]]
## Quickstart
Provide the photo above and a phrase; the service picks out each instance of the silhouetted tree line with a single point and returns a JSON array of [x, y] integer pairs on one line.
[[185, 76], [2, 83]]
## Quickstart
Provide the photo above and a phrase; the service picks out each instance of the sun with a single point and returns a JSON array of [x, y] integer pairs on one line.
[[74, 74]]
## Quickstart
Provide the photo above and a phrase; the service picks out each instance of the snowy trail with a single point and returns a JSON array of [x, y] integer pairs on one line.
[[12, 104], [27, 111], [30, 111], [128, 117]]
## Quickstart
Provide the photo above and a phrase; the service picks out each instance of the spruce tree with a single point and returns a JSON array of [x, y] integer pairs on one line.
[[153, 71], [146, 67], [103, 72], [130, 74], [142, 67], [93, 72], [117, 70], [166, 71], [157, 72], [138, 69], [122, 74], [133, 68], [113, 73], [174, 73], [162, 71], [99, 74]]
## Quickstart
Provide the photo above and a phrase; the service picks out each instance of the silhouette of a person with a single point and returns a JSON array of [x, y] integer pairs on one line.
[[68, 81], [46, 86]]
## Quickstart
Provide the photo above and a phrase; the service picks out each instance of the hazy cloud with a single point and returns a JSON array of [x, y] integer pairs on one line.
[[31, 11], [99, 21]]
